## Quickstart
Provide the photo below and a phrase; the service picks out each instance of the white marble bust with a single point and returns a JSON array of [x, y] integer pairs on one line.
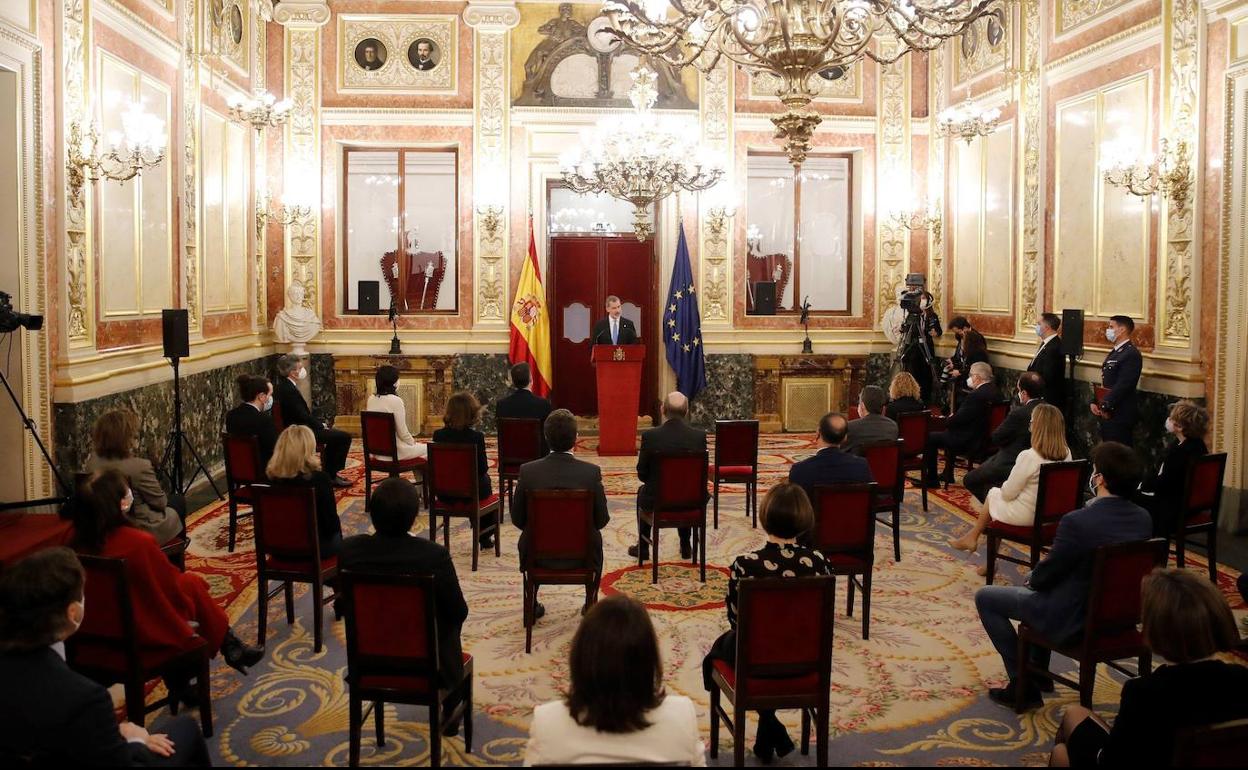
[[295, 322]]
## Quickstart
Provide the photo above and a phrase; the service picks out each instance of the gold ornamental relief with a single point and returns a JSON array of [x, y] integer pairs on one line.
[[227, 31], [984, 46], [832, 85], [1076, 13], [398, 53]]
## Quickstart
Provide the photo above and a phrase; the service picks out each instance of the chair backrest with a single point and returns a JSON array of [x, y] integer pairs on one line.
[[391, 625], [378, 432], [110, 623], [736, 442], [286, 524], [844, 521], [453, 471], [997, 412], [559, 525], [1221, 745], [276, 413], [519, 441], [1060, 490], [1114, 598], [680, 481], [1204, 485], [784, 630], [912, 430], [242, 460], [884, 459]]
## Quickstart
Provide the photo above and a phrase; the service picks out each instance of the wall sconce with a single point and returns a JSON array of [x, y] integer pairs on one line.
[[917, 219], [260, 111], [967, 123], [491, 220], [284, 215], [140, 144], [1168, 173], [717, 220]]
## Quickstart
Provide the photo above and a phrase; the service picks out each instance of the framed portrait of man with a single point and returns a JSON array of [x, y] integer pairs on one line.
[[370, 54], [424, 54], [428, 42]]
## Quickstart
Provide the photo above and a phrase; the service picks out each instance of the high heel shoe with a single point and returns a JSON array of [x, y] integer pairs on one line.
[[239, 656]]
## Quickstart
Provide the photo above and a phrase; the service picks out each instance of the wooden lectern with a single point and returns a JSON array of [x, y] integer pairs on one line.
[[619, 392]]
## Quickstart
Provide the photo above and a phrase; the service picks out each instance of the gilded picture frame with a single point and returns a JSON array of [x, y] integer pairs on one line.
[[410, 53]]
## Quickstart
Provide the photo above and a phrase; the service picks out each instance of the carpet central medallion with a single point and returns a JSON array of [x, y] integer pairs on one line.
[[678, 589]]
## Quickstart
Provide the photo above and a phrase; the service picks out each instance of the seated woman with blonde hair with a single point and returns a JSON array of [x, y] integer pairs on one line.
[[904, 395], [1014, 502], [295, 462]]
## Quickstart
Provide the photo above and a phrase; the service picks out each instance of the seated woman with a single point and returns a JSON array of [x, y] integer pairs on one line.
[[166, 602], [463, 411], [1162, 495], [785, 514], [1186, 621], [387, 400], [1014, 502], [616, 710], [61, 717], [295, 462], [114, 437], [903, 396]]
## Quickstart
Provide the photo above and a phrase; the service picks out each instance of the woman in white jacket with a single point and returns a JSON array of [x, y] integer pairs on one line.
[[1014, 502], [386, 400]]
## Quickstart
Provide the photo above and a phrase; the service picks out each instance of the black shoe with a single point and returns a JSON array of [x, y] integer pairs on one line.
[[240, 656], [686, 550], [339, 481], [1004, 696], [932, 484], [763, 750], [645, 551], [486, 541], [539, 610]]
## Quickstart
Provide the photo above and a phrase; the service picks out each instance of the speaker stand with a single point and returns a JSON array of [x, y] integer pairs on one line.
[[171, 460]]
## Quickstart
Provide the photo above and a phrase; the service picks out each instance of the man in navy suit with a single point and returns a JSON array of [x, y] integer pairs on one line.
[[1120, 374], [1011, 437], [965, 430], [831, 464], [1055, 597], [1048, 362], [615, 329], [522, 403]]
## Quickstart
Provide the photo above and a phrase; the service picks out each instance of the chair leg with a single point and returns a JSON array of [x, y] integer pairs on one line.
[[1146, 663], [702, 547], [355, 717], [136, 710], [204, 686], [1212, 553], [446, 532], [379, 721], [849, 604], [1180, 548], [368, 485], [715, 496], [435, 735], [498, 532], [476, 542], [923, 488], [529, 611], [994, 543], [468, 715], [262, 609], [897, 533], [753, 498], [233, 522], [866, 605], [738, 738], [805, 732], [318, 615], [714, 748], [654, 553], [1023, 675], [1087, 682], [821, 739]]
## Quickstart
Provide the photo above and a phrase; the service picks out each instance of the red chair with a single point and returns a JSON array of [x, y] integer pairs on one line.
[[105, 647], [288, 550], [1202, 499], [736, 462], [393, 656], [784, 659], [679, 501], [1220, 745], [381, 454], [280, 424], [884, 458], [912, 430], [1060, 492], [519, 442], [844, 532], [243, 470], [560, 527], [1111, 625], [454, 494], [997, 412]]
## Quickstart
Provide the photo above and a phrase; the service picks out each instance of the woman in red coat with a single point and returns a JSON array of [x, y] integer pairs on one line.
[[165, 600]]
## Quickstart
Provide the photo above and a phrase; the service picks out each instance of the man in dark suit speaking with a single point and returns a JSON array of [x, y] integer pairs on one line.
[[614, 329]]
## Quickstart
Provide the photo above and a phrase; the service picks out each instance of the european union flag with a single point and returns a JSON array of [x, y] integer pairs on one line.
[[682, 325]]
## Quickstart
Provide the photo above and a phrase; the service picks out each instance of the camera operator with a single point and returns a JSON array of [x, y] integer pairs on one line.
[[918, 304], [971, 349]]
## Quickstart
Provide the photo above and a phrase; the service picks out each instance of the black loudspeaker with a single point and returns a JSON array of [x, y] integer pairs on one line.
[[370, 298], [173, 328], [1072, 332], [765, 298]]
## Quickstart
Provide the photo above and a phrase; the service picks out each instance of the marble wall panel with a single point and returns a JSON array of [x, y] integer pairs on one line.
[[729, 393], [486, 377]]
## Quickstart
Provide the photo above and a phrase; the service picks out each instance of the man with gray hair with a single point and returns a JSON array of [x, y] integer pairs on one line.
[[966, 430], [614, 329], [294, 411], [674, 435], [871, 426]]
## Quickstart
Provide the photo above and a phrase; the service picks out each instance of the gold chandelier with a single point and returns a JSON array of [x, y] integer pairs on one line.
[[794, 40]]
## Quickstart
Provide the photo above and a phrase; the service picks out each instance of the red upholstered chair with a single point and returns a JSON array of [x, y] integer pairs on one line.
[[1220, 745], [997, 412], [454, 494], [105, 647], [1060, 492], [912, 430], [1110, 628], [393, 656], [844, 532], [519, 442], [784, 659], [280, 424], [288, 550], [242, 472], [884, 458], [679, 501], [560, 527], [1202, 497], [381, 454], [736, 462]]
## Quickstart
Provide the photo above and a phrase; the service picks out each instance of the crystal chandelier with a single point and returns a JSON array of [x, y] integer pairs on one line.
[[793, 40], [641, 157], [260, 110], [140, 144], [965, 122], [1168, 173]]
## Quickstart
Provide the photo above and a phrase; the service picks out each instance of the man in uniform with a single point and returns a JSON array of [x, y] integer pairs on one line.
[[1120, 375]]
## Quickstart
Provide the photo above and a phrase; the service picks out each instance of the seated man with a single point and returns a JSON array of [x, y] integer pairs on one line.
[[394, 549], [1011, 437], [252, 417], [521, 402], [831, 464], [964, 431], [871, 425], [674, 435], [1054, 600], [559, 470], [295, 411]]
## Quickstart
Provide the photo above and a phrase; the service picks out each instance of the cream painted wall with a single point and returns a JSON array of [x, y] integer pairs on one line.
[[13, 484]]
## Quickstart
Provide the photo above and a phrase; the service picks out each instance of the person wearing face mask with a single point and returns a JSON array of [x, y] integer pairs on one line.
[[114, 437], [1048, 361], [295, 412], [52, 715], [971, 349], [964, 431], [1162, 494], [1120, 376], [1054, 599], [1012, 437], [253, 417]]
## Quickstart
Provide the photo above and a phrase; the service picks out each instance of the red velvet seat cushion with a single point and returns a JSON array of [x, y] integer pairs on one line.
[[884, 502], [847, 561], [511, 469], [382, 464], [726, 471], [94, 656], [408, 684], [542, 574], [462, 507], [799, 685], [281, 565], [676, 518], [1047, 532]]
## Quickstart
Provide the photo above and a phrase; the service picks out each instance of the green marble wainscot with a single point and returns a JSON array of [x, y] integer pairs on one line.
[[729, 393], [324, 389], [879, 370], [486, 376]]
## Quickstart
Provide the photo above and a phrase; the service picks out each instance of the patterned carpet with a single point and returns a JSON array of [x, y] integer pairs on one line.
[[913, 695]]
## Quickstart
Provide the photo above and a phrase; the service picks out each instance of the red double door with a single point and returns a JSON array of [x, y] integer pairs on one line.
[[584, 271]]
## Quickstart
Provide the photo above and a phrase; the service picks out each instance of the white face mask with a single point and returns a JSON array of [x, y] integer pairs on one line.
[[1092, 485], [1170, 427], [127, 502], [303, 372], [1111, 333], [970, 382], [268, 403], [1040, 331]]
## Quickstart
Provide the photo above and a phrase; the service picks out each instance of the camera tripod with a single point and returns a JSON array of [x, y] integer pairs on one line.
[[34, 432], [171, 460], [912, 337]]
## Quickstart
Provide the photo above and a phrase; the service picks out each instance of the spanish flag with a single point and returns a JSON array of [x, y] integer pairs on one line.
[[530, 323]]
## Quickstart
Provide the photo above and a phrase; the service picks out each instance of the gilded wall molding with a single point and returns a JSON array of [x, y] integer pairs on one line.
[[1181, 80], [892, 175], [937, 152], [260, 161], [715, 105], [79, 280], [1031, 135], [190, 166]]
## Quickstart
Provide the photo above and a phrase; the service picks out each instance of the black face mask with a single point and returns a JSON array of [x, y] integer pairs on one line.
[[958, 336]]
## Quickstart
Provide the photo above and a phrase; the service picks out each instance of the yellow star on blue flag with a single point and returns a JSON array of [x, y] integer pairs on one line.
[[685, 359]]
